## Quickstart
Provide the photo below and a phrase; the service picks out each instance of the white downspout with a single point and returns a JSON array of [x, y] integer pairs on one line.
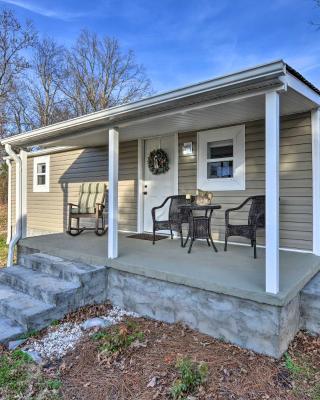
[[18, 232], [9, 198]]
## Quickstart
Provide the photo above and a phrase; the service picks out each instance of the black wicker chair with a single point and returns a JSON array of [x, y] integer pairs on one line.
[[256, 220], [176, 216]]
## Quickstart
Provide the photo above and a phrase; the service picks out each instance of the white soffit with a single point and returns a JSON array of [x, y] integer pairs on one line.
[[234, 112]]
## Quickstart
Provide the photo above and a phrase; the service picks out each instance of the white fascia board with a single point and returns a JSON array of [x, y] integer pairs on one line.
[[300, 87], [273, 69]]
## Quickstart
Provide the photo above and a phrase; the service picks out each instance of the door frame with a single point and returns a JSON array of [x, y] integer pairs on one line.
[[141, 179]]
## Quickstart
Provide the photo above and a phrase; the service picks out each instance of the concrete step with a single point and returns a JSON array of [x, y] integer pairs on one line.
[[9, 329], [29, 312], [72, 271], [310, 306], [42, 286]]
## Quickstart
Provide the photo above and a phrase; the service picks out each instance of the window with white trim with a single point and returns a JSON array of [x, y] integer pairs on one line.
[[221, 159], [41, 173]]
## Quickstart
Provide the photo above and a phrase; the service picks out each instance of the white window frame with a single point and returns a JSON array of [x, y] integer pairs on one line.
[[41, 160], [238, 181]]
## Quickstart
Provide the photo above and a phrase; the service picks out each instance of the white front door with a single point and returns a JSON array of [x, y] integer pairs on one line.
[[158, 187]]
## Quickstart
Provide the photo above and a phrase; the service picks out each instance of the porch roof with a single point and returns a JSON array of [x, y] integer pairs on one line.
[[228, 99]]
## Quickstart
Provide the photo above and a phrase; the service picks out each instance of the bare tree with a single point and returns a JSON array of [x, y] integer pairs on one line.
[[99, 75], [50, 84], [47, 103], [14, 38]]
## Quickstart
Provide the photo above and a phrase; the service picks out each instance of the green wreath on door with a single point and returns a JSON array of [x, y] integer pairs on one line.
[[158, 162]]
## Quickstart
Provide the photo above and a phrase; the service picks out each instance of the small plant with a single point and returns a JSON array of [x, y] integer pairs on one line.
[[54, 384], [55, 322], [192, 375], [30, 334], [291, 366], [117, 340]]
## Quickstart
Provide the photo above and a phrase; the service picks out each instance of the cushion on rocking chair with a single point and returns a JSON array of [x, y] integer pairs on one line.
[[89, 195]]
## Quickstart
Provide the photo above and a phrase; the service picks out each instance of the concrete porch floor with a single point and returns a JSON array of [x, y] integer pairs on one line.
[[234, 273]]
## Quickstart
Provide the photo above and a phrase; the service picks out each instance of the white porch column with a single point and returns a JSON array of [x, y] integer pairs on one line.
[[9, 210], [272, 192], [113, 193], [315, 127], [24, 178]]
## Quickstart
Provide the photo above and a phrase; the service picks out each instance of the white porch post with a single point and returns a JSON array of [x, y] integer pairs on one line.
[[9, 220], [272, 192], [113, 193], [315, 127], [24, 178]]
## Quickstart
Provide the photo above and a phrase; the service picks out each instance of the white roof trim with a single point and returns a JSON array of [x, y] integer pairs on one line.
[[111, 116], [300, 87], [272, 69]]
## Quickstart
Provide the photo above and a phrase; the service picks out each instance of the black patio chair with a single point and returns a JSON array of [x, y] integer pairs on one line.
[[256, 220], [176, 216]]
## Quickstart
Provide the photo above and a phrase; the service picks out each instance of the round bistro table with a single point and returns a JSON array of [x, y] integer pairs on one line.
[[199, 225]]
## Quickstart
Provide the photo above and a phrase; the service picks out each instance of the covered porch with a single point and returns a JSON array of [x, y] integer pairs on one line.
[[254, 99], [235, 273]]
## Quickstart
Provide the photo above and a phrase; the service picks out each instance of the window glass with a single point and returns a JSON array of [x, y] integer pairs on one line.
[[41, 168], [41, 180], [220, 169], [220, 149]]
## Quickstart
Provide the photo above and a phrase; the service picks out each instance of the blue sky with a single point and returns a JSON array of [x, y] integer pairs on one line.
[[182, 42]]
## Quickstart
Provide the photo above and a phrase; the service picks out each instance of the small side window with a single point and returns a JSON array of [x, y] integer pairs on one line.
[[41, 174]]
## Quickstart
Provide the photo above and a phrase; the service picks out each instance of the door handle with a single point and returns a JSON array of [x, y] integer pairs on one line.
[[145, 193]]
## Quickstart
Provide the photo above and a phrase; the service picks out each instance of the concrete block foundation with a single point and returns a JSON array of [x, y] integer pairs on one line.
[[264, 328]]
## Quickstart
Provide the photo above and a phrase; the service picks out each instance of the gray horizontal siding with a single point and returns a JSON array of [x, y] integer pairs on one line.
[[295, 179], [47, 212]]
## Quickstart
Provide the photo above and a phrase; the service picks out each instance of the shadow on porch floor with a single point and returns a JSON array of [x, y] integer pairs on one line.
[[234, 273]]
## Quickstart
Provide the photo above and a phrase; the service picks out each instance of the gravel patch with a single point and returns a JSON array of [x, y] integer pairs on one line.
[[117, 314], [58, 341], [62, 339]]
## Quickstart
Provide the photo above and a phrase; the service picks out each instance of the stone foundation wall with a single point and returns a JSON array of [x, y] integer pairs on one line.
[[310, 306], [260, 327]]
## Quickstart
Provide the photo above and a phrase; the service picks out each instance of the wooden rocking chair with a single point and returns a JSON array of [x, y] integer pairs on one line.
[[91, 204]]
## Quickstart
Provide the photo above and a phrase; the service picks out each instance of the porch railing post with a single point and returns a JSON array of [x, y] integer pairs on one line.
[[113, 193], [315, 127], [272, 136]]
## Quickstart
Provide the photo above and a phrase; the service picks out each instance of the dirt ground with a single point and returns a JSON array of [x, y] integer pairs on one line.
[[148, 371]]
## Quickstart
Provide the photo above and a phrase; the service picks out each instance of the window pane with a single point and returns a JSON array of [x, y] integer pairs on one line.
[[220, 169], [220, 149], [41, 168], [41, 179]]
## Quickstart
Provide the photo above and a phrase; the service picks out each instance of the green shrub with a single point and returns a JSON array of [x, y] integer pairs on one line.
[[118, 339], [192, 375]]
